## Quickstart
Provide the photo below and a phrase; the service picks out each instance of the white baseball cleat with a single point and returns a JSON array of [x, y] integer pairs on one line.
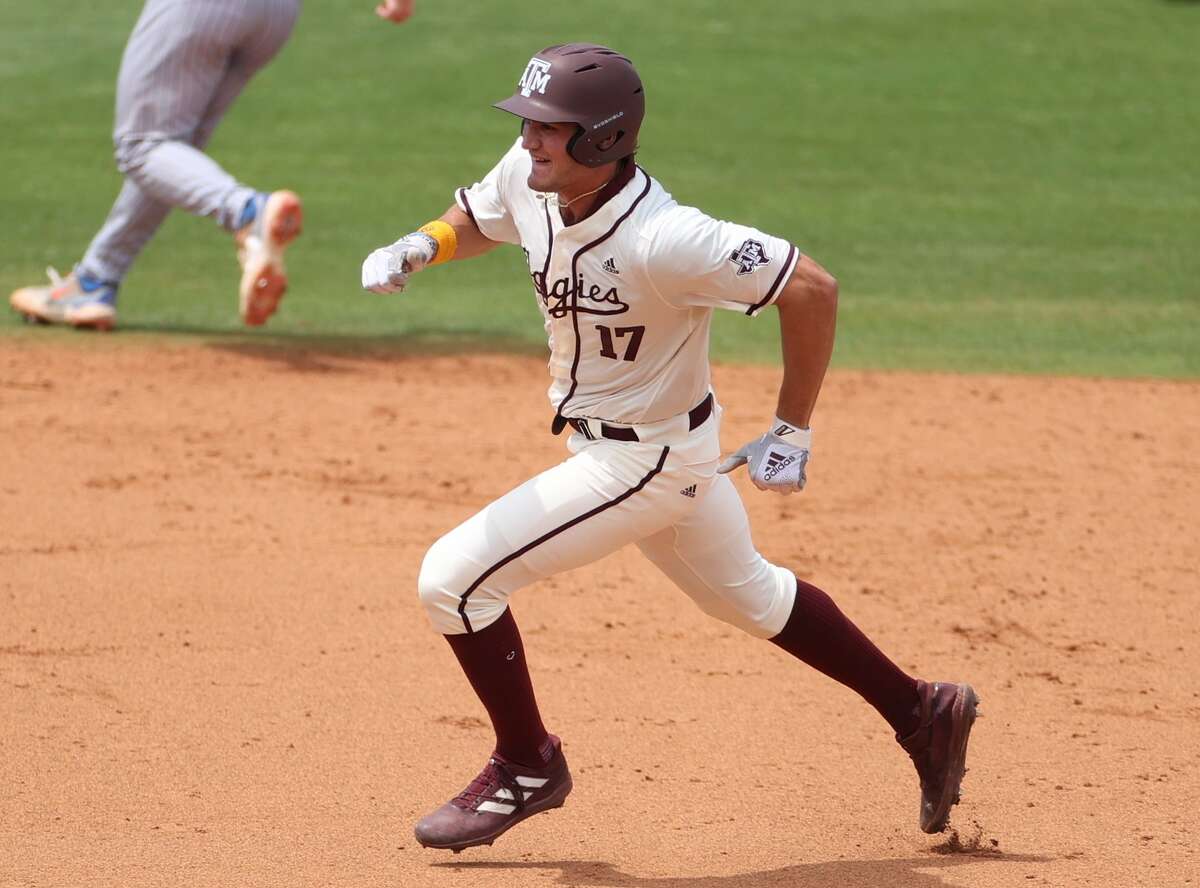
[[78, 301], [278, 219]]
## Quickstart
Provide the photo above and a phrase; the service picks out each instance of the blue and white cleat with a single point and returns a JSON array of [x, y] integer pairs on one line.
[[78, 300]]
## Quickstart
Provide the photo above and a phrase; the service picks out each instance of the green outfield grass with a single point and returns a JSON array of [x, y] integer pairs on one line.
[[999, 185]]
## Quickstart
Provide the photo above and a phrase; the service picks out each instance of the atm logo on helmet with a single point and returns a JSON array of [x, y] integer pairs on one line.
[[536, 77]]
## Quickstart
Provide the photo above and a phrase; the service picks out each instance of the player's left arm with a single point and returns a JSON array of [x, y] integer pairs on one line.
[[807, 321], [807, 307], [452, 236], [469, 241]]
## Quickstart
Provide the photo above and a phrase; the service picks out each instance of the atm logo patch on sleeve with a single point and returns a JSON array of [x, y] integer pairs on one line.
[[749, 257]]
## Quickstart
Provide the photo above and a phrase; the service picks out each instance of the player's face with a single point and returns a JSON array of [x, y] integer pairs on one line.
[[553, 168]]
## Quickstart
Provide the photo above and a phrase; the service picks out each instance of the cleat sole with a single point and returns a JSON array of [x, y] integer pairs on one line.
[[262, 291], [459, 847]]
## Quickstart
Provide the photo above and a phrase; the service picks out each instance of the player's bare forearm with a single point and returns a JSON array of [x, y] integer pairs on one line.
[[807, 321], [471, 241]]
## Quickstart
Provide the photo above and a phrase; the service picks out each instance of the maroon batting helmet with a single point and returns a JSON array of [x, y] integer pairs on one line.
[[592, 86]]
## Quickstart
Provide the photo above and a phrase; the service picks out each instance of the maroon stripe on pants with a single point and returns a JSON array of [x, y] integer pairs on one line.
[[462, 604]]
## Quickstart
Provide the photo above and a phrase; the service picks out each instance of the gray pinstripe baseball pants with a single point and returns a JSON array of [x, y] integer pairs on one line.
[[185, 63]]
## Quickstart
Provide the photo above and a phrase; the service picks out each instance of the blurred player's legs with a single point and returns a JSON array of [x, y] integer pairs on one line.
[[131, 222], [185, 64]]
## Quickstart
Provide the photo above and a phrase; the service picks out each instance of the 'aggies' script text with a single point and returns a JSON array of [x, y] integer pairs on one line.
[[592, 299]]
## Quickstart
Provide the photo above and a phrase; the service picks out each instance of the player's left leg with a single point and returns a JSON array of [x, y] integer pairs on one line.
[[607, 495], [735, 583], [604, 497]]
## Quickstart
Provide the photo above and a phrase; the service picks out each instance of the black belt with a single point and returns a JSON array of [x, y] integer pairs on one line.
[[697, 416]]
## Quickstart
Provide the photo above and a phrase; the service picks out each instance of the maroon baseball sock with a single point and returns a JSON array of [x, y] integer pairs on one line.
[[818, 633], [494, 661]]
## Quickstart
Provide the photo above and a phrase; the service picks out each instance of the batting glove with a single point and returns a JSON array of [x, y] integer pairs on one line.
[[387, 269], [776, 461]]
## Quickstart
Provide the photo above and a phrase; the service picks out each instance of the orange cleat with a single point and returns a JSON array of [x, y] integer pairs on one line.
[[277, 221]]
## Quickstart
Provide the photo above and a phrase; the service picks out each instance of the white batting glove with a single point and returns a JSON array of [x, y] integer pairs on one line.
[[776, 461], [387, 269]]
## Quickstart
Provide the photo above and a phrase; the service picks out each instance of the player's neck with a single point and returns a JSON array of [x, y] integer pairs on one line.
[[581, 195], [577, 202]]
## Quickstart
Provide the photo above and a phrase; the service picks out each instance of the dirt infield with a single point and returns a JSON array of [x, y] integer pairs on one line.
[[214, 670]]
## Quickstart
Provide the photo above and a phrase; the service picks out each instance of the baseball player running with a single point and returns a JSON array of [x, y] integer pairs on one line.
[[627, 280], [185, 63]]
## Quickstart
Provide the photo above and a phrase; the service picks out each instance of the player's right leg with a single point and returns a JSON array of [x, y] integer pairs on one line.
[[733, 582], [607, 495]]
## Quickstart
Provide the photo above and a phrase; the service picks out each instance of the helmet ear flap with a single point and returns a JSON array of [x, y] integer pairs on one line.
[[610, 140], [596, 149], [572, 142]]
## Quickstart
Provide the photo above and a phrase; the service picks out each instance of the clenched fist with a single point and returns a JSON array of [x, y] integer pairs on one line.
[[387, 269], [777, 461]]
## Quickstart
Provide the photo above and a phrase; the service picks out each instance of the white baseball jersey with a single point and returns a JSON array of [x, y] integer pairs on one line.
[[627, 293]]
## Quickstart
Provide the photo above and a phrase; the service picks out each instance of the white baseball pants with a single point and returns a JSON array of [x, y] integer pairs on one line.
[[662, 493]]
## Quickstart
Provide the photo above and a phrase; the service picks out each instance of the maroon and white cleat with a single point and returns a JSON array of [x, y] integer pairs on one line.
[[504, 794], [938, 748]]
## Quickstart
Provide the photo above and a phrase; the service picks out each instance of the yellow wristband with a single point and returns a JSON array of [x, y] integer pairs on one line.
[[446, 237]]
